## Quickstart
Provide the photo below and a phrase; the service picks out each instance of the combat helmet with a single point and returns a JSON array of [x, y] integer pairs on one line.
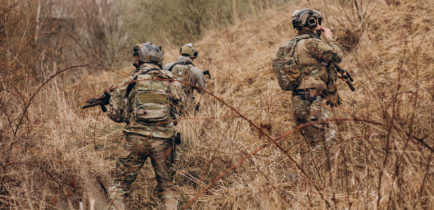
[[148, 53], [189, 50], [307, 17]]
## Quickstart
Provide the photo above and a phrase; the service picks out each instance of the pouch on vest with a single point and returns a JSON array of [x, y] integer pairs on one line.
[[183, 73], [151, 100]]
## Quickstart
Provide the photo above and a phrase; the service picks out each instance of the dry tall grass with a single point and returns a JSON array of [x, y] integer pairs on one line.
[[56, 156]]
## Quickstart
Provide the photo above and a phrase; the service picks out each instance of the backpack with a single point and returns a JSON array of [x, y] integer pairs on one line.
[[183, 73], [150, 98], [285, 64]]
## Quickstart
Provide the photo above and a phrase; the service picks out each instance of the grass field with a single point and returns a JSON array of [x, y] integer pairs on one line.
[[241, 150]]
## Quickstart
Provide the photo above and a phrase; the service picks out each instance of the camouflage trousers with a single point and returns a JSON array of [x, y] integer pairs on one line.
[[140, 148], [306, 111]]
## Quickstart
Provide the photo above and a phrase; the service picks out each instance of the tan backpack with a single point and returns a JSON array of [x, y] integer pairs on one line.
[[285, 64]]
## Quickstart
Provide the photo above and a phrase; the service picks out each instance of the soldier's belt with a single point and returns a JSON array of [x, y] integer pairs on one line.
[[304, 93]]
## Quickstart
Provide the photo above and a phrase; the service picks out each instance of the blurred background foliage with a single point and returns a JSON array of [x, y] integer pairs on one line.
[[45, 35], [108, 28], [177, 22]]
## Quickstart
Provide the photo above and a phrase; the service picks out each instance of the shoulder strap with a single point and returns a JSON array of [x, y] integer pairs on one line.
[[131, 86], [133, 83], [171, 67], [182, 63], [294, 49]]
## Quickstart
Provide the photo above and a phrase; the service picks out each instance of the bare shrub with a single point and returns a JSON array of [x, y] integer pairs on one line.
[[349, 19]]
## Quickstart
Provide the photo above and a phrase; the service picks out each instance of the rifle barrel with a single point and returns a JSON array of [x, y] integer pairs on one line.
[[89, 105]]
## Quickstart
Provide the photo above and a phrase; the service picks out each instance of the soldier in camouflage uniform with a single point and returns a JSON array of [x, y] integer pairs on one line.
[[147, 102], [303, 66], [184, 70]]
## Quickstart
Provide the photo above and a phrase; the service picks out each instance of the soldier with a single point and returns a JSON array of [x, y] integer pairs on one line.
[[304, 65], [147, 103], [184, 70]]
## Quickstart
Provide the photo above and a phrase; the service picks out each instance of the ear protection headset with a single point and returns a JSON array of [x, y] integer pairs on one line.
[[306, 17]]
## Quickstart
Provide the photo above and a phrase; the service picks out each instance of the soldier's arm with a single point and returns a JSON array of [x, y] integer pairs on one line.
[[198, 78], [177, 99], [324, 52]]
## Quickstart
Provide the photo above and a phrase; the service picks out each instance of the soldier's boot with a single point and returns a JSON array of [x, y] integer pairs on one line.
[[117, 198], [169, 201]]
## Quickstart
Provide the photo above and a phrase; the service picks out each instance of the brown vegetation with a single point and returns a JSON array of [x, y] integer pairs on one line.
[[56, 156]]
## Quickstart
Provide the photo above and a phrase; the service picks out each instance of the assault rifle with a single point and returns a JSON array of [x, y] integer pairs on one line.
[[98, 101], [345, 76]]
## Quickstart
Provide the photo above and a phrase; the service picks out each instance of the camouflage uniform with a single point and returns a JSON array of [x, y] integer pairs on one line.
[[184, 70], [146, 138], [311, 56]]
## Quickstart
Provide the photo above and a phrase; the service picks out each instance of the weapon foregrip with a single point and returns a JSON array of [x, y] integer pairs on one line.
[[206, 73], [103, 108], [349, 76]]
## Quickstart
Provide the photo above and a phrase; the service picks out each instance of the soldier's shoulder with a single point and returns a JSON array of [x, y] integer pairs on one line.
[[166, 73], [195, 70], [287, 44], [293, 40], [168, 65], [313, 42]]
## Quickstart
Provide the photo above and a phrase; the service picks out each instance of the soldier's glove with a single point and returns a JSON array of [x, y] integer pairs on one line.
[[333, 100], [107, 97]]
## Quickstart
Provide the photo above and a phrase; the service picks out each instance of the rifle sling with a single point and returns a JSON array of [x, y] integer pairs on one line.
[[182, 63]]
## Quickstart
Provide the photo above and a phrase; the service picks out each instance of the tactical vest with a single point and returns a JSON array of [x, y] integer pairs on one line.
[[286, 68], [149, 98]]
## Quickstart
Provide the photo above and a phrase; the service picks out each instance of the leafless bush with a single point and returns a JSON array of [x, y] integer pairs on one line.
[[349, 19]]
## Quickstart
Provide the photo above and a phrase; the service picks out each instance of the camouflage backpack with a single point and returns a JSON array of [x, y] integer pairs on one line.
[[182, 73], [285, 64], [149, 97]]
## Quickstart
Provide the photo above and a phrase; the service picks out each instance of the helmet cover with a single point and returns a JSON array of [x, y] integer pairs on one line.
[[189, 50], [149, 53]]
